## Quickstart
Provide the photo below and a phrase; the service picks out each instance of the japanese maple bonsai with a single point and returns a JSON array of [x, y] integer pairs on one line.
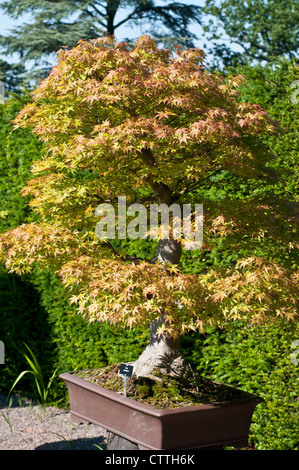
[[153, 127]]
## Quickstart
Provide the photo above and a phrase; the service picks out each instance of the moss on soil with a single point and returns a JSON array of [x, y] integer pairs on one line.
[[165, 391]]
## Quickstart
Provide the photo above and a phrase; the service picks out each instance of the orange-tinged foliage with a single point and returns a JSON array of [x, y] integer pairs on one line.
[[115, 120]]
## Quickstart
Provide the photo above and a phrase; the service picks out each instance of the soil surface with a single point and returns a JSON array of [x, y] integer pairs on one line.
[[163, 391], [24, 426]]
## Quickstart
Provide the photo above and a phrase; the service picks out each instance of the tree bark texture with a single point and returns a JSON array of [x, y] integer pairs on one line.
[[163, 352]]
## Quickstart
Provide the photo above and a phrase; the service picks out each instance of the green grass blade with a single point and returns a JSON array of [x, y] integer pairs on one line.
[[34, 362], [18, 379]]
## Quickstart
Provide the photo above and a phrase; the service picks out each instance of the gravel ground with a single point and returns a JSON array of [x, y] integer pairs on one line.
[[30, 427]]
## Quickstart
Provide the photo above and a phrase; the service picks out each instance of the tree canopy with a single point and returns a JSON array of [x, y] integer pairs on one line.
[[12, 76], [151, 126], [275, 87], [53, 25], [261, 30]]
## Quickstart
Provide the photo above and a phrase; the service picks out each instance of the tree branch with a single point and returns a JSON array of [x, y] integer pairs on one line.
[[134, 259], [193, 185], [161, 191], [147, 157], [129, 17], [97, 10]]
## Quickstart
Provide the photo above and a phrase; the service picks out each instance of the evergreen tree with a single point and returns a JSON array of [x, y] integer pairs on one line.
[[259, 29], [56, 24], [12, 76]]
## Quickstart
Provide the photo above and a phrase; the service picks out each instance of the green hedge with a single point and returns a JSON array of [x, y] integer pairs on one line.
[[18, 150], [36, 311], [259, 361], [21, 317], [22, 320], [271, 87]]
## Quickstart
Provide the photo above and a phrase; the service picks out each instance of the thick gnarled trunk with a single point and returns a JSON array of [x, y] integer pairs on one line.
[[163, 352]]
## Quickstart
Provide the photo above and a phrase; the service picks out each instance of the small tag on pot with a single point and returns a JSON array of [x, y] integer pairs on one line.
[[126, 370]]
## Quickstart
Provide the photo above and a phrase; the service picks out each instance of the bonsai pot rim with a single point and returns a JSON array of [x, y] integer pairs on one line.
[[140, 406], [186, 427]]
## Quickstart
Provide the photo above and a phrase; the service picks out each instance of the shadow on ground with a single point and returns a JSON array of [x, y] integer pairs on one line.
[[14, 401], [96, 443]]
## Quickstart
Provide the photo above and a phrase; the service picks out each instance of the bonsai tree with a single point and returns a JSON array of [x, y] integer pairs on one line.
[[149, 127]]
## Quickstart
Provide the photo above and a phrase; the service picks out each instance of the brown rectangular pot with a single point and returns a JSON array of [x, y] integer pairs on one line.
[[189, 427]]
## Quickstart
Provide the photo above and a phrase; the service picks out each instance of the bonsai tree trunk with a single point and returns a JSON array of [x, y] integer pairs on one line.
[[162, 352]]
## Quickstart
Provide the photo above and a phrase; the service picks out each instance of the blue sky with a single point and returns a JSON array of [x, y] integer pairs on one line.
[[6, 23]]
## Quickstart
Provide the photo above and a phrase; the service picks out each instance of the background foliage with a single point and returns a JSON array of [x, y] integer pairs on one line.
[[18, 150], [35, 310], [252, 32], [50, 25], [257, 360]]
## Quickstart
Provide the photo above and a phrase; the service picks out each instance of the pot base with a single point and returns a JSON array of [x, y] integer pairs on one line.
[[189, 427]]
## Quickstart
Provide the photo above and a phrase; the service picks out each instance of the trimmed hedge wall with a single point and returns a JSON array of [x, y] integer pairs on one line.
[[257, 360], [36, 311]]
